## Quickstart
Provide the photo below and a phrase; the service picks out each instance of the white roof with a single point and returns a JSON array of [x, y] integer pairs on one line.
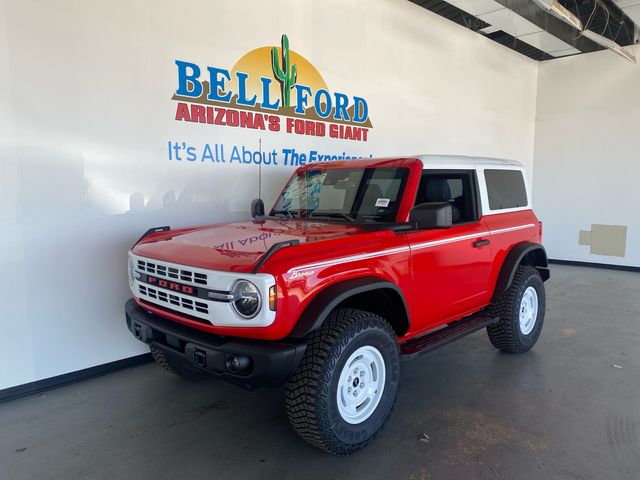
[[462, 160]]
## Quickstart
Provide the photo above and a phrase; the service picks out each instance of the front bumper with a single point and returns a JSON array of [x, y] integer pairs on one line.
[[263, 363]]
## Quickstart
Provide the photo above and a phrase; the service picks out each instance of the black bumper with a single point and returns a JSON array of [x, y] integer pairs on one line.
[[262, 363]]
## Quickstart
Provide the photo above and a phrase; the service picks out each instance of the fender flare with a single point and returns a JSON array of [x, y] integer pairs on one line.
[[331, 296], [514, 259]]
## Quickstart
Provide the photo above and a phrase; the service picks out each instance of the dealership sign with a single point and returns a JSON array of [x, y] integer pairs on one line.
[[271, 89]]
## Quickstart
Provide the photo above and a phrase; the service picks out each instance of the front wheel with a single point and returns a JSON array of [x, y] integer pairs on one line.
[[344, 389], [521, 312]]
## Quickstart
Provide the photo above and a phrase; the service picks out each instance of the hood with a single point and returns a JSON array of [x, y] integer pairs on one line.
[[236, 247]]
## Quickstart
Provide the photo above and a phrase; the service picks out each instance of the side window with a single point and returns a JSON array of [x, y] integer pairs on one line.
[[457, 187], [505, 189], [382, 185]]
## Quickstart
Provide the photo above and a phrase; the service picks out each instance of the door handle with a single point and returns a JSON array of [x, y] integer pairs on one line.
[[481, 243]]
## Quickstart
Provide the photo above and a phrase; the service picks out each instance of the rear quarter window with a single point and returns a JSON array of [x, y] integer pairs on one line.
[[505, 189]]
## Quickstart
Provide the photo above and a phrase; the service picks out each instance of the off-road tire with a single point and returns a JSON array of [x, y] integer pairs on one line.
[[506, 335], [177, 367], [311, 394]]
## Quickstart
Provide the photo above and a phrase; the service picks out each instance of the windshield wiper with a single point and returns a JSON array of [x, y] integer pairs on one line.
[[284, 213], [334, 215]]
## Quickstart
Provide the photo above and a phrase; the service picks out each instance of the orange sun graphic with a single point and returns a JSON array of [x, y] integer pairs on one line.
[[257, 63]]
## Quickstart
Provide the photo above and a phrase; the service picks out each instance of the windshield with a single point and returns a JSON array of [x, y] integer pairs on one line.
[[352, 194]]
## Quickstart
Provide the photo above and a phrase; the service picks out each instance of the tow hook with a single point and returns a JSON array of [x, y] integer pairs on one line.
[[200, 358]]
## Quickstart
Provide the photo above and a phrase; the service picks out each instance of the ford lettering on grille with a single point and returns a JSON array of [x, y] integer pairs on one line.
[[168, 284]]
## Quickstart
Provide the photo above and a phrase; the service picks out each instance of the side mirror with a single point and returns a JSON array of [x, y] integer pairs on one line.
[[257, 208], [431, 215]]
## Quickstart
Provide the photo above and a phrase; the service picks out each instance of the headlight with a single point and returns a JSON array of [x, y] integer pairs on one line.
[[246, 298]]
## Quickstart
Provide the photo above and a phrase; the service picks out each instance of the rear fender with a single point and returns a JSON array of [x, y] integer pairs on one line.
[[526, 253]]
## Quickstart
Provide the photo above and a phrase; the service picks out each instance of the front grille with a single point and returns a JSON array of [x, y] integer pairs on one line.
[[169, 299], [156, 268]]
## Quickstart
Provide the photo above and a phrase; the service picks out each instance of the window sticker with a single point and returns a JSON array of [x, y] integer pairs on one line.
[[382, 202]]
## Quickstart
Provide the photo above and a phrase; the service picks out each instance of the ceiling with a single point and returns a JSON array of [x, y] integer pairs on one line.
[[525, 27]]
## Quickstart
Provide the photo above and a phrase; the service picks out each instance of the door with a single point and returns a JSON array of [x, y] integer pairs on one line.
[[450, 267]]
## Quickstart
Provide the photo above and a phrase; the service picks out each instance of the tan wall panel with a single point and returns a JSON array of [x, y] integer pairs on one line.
[[584, 237], [609, 240]]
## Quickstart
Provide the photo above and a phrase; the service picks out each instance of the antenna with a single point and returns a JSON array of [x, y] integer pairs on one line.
[[260, 170], [257, 205]]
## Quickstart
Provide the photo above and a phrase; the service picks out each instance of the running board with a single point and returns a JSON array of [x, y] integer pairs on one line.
[[430, 341]]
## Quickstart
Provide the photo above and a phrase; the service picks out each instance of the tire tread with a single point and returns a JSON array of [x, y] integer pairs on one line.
[[502, 334], [306, 394]]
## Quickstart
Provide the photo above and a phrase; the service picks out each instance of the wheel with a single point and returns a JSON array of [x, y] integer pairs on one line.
[[521, 312], [346, 384], [177, 367]]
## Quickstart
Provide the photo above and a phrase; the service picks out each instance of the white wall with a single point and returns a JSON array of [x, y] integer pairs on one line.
[[86, 113], [586, 153]]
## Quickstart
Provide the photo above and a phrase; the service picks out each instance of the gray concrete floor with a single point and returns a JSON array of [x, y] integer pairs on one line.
[[562, 411]]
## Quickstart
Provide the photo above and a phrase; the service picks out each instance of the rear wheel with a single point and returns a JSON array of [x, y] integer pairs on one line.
[[521, 312], [178, 367], [344, 389]]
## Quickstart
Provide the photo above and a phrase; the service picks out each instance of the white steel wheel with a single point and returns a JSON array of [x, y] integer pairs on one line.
[[320, 399], [528, 310], [520, 311], [361, 384]]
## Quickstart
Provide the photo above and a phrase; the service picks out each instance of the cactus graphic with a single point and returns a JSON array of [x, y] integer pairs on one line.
[[287, 75]]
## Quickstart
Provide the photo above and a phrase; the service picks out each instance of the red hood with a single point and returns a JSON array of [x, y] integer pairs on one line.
[[234, 246]]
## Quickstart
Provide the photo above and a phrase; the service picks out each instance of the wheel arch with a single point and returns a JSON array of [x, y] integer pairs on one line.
[[525, 253], [372, 294]]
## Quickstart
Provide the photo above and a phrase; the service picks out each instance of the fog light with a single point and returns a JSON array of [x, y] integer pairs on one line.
[[237, 363]]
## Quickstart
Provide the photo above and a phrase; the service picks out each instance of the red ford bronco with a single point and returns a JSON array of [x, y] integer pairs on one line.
[[359, 265]]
